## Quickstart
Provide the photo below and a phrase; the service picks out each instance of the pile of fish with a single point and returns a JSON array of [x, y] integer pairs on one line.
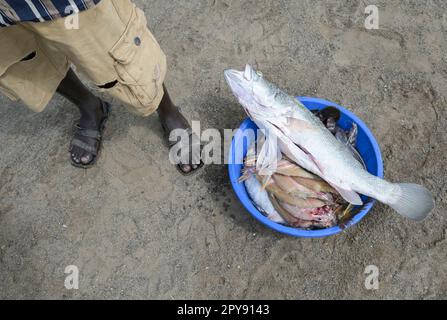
[[294, 196], [318, 165]]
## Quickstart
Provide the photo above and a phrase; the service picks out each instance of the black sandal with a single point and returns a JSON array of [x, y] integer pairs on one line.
[[173, 143], [89, 133]]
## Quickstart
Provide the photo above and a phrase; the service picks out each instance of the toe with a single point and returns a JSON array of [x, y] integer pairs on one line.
[[86, 158], [76, 155], [186, 168]]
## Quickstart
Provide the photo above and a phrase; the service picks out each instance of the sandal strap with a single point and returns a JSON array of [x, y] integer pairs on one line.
[[89, 133], [84, 146]]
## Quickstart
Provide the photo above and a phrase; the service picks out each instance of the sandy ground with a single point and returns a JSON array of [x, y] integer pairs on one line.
[[137, 229]]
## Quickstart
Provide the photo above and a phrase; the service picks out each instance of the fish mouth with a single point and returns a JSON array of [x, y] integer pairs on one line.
[[236, 81], [232, 76]]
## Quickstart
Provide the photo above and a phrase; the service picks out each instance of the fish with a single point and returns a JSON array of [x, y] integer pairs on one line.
[[295, 189], [284, 167], [353, 134], [349, 140], [261, 199], [289, 218], [302, 201], [308, 203], [318, 186], [323, 214], [293, 130], [326, 113], [331, 125], [297, 222], [288, 168]]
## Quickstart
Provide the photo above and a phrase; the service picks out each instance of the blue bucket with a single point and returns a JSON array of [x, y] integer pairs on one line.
[[366, 145]]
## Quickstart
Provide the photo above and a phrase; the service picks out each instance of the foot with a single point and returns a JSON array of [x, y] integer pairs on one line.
[[84, 153], [172, 120]]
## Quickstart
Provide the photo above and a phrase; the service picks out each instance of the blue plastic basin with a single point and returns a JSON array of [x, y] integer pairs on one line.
[[366, 145]]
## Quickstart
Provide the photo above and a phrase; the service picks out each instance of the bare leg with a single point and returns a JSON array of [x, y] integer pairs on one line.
[[90, 108], [172, 119]]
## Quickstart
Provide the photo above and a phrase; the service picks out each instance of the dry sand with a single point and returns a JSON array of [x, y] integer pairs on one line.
[[137, 229]]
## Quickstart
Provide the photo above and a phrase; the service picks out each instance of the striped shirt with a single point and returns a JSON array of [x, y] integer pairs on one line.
[[13, 11]]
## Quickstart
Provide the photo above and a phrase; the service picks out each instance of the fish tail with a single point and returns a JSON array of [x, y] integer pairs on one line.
[[411, 200]]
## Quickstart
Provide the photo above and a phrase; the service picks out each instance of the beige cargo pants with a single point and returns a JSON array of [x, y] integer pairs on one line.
[[112, 45]]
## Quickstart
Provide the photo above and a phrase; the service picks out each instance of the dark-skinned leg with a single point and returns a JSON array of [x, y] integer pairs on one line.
[[90, 108], [172, 119]]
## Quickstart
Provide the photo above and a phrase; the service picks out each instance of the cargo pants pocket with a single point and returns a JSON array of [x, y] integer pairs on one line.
[[140, 66]]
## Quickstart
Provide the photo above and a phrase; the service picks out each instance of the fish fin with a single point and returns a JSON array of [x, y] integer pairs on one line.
[[265, 182], [357, 156], [349, 195], [412, 201], [315, 161], [297, 155], [269, 156], [246, 174], [353, 133]]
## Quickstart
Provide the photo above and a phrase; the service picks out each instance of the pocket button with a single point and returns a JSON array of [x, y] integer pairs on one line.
[[137, 41]]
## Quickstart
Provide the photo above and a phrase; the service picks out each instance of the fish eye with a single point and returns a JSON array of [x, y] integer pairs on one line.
[[259, 73], [248, 73]]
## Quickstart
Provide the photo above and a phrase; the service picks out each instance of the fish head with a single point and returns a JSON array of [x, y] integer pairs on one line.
[[255, 94]]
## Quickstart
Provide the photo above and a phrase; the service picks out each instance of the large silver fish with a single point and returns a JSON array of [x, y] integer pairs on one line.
[[261, 198], [303, 138]]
